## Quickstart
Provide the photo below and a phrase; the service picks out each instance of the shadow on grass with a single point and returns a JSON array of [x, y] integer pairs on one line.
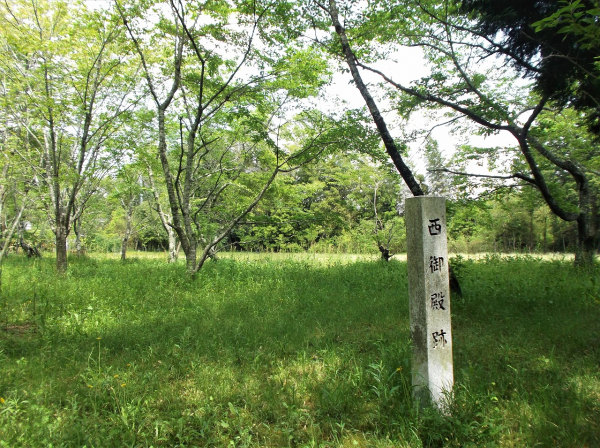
[[282, 352]]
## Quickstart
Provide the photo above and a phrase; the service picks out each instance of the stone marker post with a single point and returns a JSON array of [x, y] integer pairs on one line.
[[429, 295]]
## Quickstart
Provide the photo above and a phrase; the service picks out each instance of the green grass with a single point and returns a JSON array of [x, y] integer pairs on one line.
[[291, 351]]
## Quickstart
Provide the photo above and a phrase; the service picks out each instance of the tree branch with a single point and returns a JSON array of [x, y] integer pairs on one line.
[[487, 176], [390, 146]]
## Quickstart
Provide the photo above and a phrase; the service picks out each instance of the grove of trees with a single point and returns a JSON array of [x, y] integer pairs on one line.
[[200, 126]]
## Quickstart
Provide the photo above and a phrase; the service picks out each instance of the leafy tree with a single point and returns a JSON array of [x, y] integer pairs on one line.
[[230, 122], [345, 50], [577, 19], [469, 90], [64, 64], [469, 225], [9, 187], [128, 188], [346, 201], [165, 218], [554, 42], [437, 180]]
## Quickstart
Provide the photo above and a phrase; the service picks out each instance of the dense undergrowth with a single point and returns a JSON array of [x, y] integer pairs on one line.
[[291, 353]]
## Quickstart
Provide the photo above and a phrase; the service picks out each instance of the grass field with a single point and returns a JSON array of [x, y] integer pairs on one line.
[[284, 351]]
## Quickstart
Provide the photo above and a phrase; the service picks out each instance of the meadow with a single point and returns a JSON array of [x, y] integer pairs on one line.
[[302, 351]]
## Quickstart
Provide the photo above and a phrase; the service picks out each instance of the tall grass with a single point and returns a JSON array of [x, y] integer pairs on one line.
[[290, 351]]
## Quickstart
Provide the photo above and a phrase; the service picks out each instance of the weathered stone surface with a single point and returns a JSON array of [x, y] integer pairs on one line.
[[430, 323]]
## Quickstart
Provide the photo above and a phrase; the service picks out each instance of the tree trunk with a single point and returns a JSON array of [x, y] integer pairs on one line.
[[190, 259], [188, 243], [385, 253], [164, 219], [594, 216], [128, 218], [173, 247], [545, 238], [388, 141], [531, 233], [124, 247], [4, 179], [585, 253], [16, 223], [78, 244], [61, 248]]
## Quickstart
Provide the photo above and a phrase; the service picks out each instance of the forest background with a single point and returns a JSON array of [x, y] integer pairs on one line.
[[172, 126]]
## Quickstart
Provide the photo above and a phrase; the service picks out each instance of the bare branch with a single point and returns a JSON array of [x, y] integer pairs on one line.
[[425, 96], [487, 176]]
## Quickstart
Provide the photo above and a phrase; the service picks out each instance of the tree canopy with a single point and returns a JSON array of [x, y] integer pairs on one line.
[[554, 42], [197, 125]]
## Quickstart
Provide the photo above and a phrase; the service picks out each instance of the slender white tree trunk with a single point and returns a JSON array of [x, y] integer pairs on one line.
[[128, 218]]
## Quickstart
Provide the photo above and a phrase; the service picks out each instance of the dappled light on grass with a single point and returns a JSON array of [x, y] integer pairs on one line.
[[290, 351]]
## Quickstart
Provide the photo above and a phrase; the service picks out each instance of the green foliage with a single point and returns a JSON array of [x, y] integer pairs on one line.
[[327, 204], [555, 42], [575, 18], [252, 119], [362, 237]]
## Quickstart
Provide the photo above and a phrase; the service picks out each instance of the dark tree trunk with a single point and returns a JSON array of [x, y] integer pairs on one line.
[[190, 259], [454, 283], [186, 238], [30, 251], [585, 252], [388, 141], [385, 253]]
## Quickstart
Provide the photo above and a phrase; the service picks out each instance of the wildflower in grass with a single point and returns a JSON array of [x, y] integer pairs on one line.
[[116, 376], [2, 400], [124, 384], [399, 369], [90, 386]]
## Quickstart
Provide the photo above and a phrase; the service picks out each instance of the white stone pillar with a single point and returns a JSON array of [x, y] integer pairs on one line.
[[429, 295]]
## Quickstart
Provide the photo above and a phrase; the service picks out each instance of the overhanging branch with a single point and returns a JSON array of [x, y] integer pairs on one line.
[[487, 176]]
